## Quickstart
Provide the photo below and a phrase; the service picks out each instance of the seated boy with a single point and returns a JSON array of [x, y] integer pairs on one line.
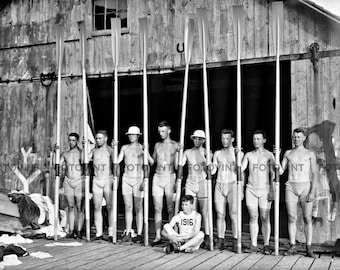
[[188, 222]]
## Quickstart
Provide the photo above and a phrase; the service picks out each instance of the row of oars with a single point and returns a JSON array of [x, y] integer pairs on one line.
[[202, 23]]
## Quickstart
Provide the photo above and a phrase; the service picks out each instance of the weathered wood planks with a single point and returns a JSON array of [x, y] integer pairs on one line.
[[104, 255]]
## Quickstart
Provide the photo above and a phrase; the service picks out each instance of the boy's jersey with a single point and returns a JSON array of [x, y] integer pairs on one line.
[[186, 223]]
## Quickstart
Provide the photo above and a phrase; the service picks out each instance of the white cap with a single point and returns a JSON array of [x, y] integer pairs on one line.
[[133, 130], [198, 133]]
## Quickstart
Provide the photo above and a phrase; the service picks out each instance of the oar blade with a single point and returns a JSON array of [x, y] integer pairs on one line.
[[59, 44], [82, 36], [202, 24], [143, 38], [277, 21], [115, 39], [189, 24], [238, 15]]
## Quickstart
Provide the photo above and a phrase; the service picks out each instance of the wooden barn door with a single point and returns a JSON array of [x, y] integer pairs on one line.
[[165, 104]]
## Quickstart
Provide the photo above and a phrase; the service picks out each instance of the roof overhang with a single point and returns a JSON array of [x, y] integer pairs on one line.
[[4, 3], [319, 7]]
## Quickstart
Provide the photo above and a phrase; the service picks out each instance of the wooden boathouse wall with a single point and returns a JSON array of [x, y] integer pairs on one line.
[[28, 106], [318, 111]]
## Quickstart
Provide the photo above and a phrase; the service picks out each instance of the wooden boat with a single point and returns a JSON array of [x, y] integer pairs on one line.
[[9, 215]]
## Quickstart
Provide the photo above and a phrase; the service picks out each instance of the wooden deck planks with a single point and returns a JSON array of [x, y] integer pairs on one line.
[[154, 264], [104, 255], [180, 263], [30, 262], [322, 263], [190, 261], [213, 261], [266, 262], [335, 263], [145, 261], [303, 263], [95, 255], [232, 261], [248, 261], [286, 262], [61, 255], [128, 262], [153, 254]]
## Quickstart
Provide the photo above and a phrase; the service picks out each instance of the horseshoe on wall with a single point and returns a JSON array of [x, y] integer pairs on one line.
[[178, 48]]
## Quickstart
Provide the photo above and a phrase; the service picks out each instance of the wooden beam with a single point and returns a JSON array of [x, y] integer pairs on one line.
[[162, 70]]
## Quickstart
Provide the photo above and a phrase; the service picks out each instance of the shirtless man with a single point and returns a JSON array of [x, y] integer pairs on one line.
[[196, 182], [102, 157], [74, 184], [188, 221], [132, 183], [259, 193], [300, 188], [224, 162], [165, 157]]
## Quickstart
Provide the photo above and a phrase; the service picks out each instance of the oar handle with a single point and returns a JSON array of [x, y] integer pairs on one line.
[[277, 211], [239, 209], [146, 171], [178, 186]]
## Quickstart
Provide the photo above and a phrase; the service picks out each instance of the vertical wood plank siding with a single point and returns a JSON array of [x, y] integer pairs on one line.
[[326, 145]]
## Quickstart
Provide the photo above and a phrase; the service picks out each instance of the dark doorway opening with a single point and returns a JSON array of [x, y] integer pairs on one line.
[[165, 98]]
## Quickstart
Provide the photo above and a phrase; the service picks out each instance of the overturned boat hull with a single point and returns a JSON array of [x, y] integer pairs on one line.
[[9, 215]]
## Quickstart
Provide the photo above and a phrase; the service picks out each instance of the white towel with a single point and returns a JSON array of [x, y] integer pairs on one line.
[[41, 255], [69, 244]]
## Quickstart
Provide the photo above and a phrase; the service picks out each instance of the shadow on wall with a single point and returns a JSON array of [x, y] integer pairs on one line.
[[325, 213]]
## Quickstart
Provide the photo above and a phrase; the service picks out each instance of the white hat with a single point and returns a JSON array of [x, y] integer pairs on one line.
[[11, 259], [198, 133], [133, 130]]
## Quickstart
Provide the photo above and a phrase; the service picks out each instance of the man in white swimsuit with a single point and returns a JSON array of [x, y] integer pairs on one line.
[[196, 182], [259, 193], [74, 185], [300, 188], [102, 157], [132, 183], [224, 163], [163, 182]]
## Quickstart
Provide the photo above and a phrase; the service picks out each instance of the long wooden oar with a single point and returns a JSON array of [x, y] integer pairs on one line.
[[82, 38], [143, 38], [238, 35], [48, 179], [89, 106], [202, 22], [277, 31], [188, 43], [60, 54], [115, 38]]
